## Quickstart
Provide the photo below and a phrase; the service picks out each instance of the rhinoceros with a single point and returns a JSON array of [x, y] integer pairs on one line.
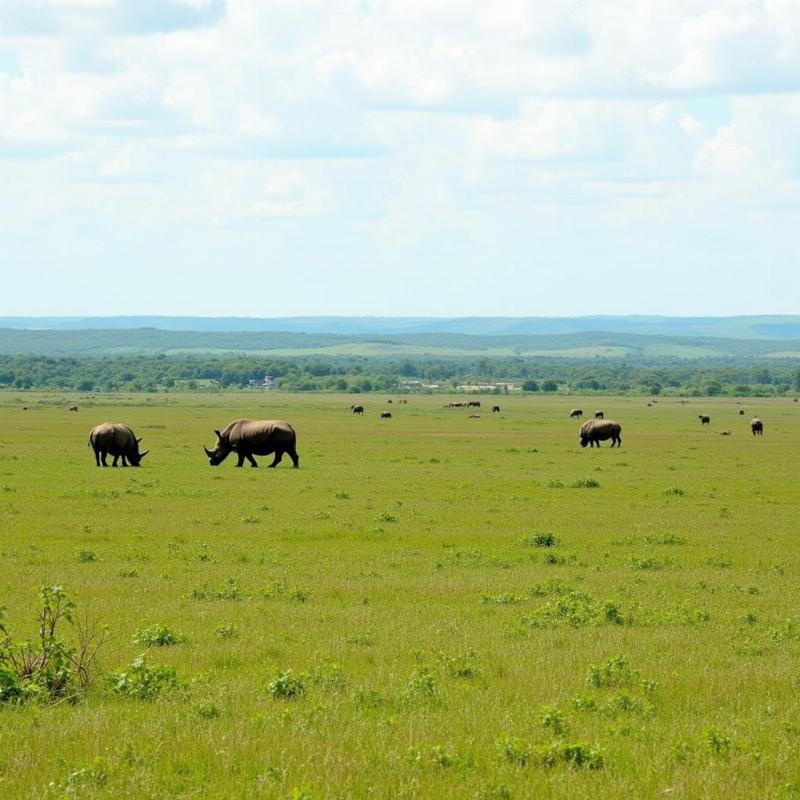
[[576, 412], [248, 438], [596, 430], [118, 440], [757, 426]]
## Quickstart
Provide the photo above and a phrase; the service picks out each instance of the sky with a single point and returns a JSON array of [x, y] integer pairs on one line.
[[399, 157]]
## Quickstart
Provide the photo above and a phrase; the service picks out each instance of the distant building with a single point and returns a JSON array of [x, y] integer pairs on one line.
[[267, 382]]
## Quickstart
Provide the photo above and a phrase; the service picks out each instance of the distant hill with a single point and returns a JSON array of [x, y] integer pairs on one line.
[[743, 327], [581, 345]]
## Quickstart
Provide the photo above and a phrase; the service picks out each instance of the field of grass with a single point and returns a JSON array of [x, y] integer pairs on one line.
[[431, 606]]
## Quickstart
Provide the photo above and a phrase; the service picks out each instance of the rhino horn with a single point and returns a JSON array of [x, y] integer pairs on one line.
[[208, 452], [139, 440], [219, 435]]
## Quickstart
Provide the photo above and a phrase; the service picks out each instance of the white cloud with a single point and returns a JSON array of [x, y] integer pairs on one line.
[[409, 132]]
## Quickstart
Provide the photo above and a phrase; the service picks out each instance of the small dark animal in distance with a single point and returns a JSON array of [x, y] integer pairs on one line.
[[741, 412], [386, 414], [649, 405], [495, 409], [704, 419], [357, 409], [474, 404], [389, 401], [599, 414], [757, 426], [248, 438], [474, 416], [73, 408], [576, 412], [725, 433], [24, 408]]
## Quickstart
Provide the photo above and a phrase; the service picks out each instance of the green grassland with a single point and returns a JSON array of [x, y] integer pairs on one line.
[[444, 645]]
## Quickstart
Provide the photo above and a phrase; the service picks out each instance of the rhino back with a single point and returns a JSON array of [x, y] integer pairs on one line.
[[601, 428], [260, 432], [114, 437]]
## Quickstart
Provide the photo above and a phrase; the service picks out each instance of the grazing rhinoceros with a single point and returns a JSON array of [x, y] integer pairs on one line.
[[576, 412], [386, 414], [704, 419], [248, 438], [596, 430], [757, 426], [357, 409], [118, 440]]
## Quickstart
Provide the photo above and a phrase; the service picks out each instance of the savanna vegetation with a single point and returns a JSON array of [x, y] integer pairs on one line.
[[431, 606]]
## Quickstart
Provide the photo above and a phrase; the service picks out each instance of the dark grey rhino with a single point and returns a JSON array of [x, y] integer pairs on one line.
[[596, 430], [118, 440], [248, 438]]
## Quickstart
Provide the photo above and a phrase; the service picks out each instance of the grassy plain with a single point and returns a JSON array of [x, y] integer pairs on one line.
[[403, 575]]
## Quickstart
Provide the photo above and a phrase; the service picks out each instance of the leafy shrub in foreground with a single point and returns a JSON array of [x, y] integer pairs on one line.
[[49, 668], [143, 682], [157, 636], [287, 686]]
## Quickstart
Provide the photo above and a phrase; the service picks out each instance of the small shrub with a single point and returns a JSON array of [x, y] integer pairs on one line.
[[674, 491], [585, 483], [157, 636], [143, 682], [86, 556], [514, 750], [554, 484], [49, 668], [226, 632], [228, 591], [718, 742], [614, 672], [300, 594], [553, 719], [539, 540], [287, 686], [421, 685]]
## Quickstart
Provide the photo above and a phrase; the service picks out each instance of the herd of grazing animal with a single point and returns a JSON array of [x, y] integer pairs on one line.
[[248, 438]]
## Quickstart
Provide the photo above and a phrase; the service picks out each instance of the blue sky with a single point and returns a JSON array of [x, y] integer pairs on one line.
[[399, 157]]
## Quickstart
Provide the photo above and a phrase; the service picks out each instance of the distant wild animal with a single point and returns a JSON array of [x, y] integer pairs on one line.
[[389, 401], [704, 419], [474, 416], [724, 433], [357, 409], [248, 438], [649, 405], [474, 404], [598, 414], [73, 408], [576, 412], [118, 440], [741, 412], [386, 414], [495, 409], [24, 408], [757, 426], [594, 431]]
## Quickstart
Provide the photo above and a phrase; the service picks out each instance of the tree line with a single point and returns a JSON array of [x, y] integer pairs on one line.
[[357, 374]]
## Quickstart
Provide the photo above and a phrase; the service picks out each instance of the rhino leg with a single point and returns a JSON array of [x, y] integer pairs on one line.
[[240, 456], [114, 462], [124, 461], [103, 455], [277, 459], [97, 457], [252, 461], [295, 458]]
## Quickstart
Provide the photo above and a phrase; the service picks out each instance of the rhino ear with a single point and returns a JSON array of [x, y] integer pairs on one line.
[[219, 435]]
